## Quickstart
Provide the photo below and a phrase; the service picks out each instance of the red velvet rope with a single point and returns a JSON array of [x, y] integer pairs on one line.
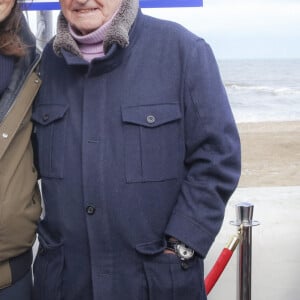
[[217, 269]]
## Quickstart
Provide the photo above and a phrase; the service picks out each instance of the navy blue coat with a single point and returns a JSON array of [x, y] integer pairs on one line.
[[132, 147]]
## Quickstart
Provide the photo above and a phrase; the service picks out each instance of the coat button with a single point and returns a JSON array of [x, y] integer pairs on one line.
[[41, 250], [151, 119], [90, 210], [184, 265], [45, 117]]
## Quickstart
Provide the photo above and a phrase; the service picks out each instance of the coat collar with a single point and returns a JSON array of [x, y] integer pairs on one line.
[[117, 33]]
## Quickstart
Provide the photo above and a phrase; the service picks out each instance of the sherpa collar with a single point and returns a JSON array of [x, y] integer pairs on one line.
[[118, 32]]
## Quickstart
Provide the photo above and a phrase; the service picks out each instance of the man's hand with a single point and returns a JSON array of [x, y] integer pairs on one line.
[[167, 251]]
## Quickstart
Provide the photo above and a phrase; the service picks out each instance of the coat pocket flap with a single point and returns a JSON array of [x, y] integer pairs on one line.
[[48, 244], [151, 115], [47, 113], [151, 248]]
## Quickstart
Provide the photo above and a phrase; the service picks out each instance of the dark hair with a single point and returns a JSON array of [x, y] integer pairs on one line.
[[10, 41]]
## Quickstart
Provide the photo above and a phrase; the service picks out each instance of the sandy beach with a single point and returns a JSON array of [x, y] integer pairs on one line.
[[270, 154]]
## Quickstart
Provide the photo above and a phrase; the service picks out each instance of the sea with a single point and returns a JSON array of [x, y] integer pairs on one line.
[[262, 90]]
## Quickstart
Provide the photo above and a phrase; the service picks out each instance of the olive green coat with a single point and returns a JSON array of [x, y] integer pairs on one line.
[[19, 194]]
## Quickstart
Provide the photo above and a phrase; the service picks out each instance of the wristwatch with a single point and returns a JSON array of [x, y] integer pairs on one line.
[[181, 250]]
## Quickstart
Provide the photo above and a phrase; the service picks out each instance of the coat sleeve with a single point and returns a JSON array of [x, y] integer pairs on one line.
[[212, 156]]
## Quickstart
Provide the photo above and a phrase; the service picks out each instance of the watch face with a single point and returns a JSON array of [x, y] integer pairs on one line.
[[184, 252]]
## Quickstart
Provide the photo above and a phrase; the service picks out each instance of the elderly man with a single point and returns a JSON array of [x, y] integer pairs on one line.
[[138, 154]]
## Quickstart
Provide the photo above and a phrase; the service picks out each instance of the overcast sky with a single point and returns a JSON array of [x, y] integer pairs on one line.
[[243, 28]]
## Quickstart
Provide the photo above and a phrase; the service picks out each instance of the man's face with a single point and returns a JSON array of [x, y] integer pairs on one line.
[[5, 8], [88, 15]]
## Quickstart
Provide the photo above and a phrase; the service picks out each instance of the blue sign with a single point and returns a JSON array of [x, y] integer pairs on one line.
[[170, 3], [54, 5]]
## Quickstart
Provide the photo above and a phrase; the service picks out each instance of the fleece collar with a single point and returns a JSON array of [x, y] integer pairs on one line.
[[118, 32]]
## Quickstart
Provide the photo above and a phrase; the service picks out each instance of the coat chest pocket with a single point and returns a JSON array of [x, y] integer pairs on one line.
[[151, 135], [49, 135]]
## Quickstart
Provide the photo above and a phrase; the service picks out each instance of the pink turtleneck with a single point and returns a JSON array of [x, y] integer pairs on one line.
[[91, 45]]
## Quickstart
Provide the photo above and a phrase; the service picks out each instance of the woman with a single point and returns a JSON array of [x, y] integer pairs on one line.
[[138, 154], [19, 197]]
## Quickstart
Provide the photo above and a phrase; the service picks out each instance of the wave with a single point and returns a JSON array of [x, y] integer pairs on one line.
[[263, 89]]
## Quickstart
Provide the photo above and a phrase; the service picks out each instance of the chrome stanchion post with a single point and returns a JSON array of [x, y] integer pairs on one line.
[[244, 215]]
